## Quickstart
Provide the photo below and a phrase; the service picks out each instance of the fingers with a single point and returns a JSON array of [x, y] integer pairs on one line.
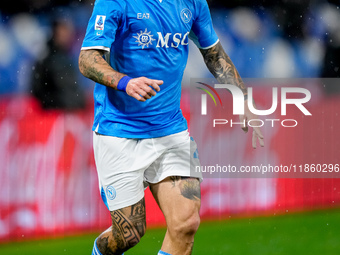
[[143, 88], [138, 97], [254, 139], [142, 93], [155, 84], [257, 134], [261, 142], [245, 127]]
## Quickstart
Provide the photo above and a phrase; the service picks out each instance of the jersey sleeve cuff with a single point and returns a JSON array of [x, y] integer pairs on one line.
[[210, 46], [96, 48]]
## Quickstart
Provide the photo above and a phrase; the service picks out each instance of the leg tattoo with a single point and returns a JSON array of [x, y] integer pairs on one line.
[[189, 187], [128, 226]]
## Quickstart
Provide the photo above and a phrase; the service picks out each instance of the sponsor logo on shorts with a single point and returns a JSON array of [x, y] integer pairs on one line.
[[110, 192]]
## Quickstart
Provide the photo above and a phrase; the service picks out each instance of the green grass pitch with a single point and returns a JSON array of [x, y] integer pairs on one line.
[[302, 233]]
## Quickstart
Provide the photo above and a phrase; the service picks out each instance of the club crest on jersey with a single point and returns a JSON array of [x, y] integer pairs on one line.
[[186, 15], [99, 25], [144, 39]]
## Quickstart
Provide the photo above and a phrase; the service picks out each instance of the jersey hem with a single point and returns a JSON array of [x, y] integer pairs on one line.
[[153, 134]]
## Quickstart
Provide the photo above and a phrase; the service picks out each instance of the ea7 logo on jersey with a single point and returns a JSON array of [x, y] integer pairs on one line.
[[143, 15], [99, 25]]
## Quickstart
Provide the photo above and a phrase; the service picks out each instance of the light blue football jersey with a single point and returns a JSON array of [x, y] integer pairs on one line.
[[146, 38]]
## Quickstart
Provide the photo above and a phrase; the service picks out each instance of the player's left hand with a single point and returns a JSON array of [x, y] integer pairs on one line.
[[257, 134]]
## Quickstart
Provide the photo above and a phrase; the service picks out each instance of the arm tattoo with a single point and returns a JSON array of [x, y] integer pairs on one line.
[[189, 187], [93, 66], [128, 226], [221, 66]]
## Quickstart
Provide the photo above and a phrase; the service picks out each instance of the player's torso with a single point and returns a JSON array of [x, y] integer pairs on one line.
[[151, 40], [153, 34]]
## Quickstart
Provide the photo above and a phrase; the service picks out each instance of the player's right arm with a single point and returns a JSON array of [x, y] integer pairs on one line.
[[100, 35], [93, 66]]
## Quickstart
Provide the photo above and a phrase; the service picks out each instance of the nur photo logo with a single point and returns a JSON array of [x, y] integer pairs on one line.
[[239, 104], [204, 97]]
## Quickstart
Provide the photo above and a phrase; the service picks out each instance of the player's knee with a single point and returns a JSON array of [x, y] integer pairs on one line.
[[185, 227], [121, 236], [191, 225]]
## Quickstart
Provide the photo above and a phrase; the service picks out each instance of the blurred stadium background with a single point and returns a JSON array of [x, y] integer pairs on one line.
[[49, 199]]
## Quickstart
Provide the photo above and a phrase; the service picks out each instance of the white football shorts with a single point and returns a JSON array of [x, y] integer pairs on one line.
[[125, 166]]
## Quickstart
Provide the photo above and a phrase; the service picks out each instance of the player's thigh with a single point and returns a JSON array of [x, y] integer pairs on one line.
[[120, 172], [179, 198], [120, 181], [175, 183], [179, 158]]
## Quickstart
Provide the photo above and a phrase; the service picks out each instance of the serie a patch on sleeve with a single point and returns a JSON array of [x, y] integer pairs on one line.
[[99, 26]]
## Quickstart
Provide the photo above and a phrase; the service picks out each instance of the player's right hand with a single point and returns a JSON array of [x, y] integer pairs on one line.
[[143, 88]]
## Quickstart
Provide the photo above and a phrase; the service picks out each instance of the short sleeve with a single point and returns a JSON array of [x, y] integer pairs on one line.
[[105, 20], [202, 32]]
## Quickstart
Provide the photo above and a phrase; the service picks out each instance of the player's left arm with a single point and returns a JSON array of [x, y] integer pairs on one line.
[[223, 69]]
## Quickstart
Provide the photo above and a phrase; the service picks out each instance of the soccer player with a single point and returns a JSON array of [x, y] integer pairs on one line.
[[136, 52]]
